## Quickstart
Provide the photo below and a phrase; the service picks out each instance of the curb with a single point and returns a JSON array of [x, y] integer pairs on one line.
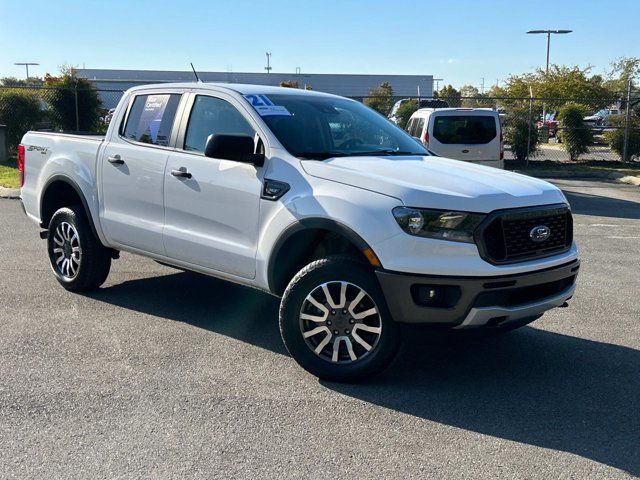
[[615, 176], [9, 192]]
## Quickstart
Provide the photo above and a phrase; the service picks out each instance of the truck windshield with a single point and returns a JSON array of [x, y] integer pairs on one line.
[[317, 128]]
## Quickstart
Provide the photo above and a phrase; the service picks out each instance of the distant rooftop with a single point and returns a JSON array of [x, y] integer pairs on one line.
[[345, 84]]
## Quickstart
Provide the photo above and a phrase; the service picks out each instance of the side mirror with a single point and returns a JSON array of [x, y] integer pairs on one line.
[[239, 148]]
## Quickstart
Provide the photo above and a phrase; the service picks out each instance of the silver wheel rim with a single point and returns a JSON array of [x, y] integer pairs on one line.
[[67, 253], [343, 331]]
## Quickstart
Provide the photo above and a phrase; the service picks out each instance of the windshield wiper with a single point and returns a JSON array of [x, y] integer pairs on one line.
[[389, 152], [320, 155], [325, 155]]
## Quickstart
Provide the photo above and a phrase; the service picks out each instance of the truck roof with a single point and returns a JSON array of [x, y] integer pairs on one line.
[[244, 89]]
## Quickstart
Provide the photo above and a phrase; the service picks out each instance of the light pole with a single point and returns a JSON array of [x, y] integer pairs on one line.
[[548, 33], [268, 67], [26, 64]]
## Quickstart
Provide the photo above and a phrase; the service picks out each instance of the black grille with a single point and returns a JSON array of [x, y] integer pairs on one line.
[[505, 236]]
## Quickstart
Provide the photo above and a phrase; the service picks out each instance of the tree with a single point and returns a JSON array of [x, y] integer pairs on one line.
[[556, 87], [289, 84], [20, 111], [18, 82], [615, 136], [405, 111], [521, 134], [381, 98], [622, 70], [450, 95], [63, 103], [472, 98], [575, 135]]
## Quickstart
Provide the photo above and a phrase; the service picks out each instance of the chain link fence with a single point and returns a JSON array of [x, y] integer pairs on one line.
[[54, 109], [605, 125], [600, 132]]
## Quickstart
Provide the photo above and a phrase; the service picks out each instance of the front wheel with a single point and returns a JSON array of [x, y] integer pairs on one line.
[[78, 259], [335, 323]]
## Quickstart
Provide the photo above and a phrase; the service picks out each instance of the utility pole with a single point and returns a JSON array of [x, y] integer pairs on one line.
[[627, 119], [548, 33], [268, 67], [26, 64], [482, 87], [438, 80]]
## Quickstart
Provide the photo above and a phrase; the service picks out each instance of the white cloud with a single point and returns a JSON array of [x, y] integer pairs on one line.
[[449, 61]]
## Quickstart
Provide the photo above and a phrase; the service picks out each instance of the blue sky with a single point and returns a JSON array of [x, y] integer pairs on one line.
[[460, 41]]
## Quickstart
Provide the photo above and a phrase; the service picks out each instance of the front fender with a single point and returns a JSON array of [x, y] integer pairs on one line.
[[362, 216]]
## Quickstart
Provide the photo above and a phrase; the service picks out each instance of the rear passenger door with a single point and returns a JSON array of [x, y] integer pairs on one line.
[[211, 216], [133, 165]]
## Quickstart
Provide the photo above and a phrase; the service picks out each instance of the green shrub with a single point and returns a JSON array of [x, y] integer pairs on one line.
[[575, 135], [20, 111], [615, 137], [405, 111], [63, 106], [381, 98], [521, 134]]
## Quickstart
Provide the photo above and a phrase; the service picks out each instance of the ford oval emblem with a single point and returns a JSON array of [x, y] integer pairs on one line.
[[540, 233]]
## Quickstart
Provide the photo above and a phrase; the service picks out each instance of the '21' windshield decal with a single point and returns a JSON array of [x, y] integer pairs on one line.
[[264, 106]]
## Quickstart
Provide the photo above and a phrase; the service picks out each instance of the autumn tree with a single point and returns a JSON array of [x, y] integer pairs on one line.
[[381, 98]]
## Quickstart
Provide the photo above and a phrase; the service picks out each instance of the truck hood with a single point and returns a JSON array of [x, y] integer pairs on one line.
[[435, 182]]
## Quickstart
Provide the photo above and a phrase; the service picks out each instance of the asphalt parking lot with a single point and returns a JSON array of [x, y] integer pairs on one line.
[[167, 374]]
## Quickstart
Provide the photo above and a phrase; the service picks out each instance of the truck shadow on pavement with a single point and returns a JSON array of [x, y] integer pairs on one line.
[[531, 386], [594, 205]]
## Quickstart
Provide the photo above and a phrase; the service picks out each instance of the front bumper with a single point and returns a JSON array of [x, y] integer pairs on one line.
[[467, 302]]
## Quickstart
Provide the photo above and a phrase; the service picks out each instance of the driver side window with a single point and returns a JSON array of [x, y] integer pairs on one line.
[[211, 115]]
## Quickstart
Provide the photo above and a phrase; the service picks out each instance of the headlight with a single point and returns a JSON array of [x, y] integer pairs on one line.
[[440, 224]]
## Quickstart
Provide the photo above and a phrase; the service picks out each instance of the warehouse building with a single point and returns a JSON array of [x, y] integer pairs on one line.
[[348, 85]]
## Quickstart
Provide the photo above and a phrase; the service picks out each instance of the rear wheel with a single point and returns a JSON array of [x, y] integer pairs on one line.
[[78, 259], [335, 322]]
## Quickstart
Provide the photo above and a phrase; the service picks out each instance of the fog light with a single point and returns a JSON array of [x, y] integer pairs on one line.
[[428, 295], [436, 296]]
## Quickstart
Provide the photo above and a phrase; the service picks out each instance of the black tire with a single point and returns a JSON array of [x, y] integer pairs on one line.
[[88, 267], [333, 271]]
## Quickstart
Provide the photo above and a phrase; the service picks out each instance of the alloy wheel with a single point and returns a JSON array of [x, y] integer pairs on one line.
[[342, 331], [67, 252]]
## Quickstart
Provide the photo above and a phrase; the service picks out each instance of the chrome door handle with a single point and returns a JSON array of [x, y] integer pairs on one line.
[[181, 172], [115, 160]]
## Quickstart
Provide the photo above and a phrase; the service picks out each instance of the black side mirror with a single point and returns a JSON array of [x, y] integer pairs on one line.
[[239, 148]]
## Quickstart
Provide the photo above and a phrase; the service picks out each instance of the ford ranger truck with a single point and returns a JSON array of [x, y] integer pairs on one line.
[[312, 197]]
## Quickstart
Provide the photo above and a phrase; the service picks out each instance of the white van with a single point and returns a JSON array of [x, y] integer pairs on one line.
[[469, 134]]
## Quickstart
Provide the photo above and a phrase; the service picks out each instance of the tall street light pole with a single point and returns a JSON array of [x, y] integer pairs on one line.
[[26, 64], [268, 67], [548, 33]]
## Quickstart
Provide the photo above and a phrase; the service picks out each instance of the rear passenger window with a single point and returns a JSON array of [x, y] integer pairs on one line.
[[465, 129], [210, 116], [151, 119]]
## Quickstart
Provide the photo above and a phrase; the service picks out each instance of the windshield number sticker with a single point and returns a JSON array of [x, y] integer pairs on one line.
[[264, 106]]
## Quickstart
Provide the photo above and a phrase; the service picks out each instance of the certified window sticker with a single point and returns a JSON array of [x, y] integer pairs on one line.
[[265, 107]]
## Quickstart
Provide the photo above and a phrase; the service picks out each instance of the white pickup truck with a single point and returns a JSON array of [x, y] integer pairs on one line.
[[312, 197]]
